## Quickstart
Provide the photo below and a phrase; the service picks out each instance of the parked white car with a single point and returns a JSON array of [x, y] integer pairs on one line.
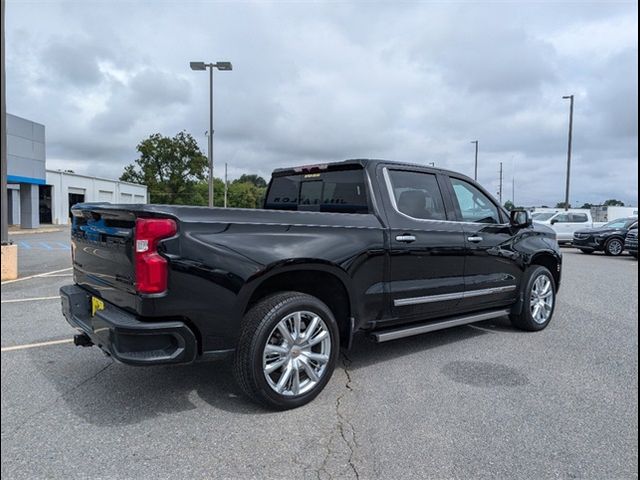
[[566, 223]]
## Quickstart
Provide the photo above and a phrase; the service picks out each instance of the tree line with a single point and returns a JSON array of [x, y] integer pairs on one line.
[[175, 171]]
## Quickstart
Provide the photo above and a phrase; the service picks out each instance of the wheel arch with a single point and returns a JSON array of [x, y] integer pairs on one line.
[[328, 283], [551, 262]]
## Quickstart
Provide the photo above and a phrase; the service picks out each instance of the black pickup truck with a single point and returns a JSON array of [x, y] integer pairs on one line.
[[379, 247]]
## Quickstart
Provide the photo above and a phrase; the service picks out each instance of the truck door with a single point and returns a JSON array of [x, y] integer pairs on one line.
[[561, 224], [427, 250], [492, 273]]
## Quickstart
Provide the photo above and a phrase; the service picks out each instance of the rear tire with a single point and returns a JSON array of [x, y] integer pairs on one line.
[[287, 351], [539, 300], [614, 247]]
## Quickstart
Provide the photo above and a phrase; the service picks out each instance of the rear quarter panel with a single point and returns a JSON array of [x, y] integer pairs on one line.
[[216, 266]]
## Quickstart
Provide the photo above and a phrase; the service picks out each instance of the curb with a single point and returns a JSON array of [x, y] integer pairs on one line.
[[37, 230]]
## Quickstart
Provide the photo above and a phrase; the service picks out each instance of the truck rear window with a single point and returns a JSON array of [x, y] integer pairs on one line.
[[341, 191]]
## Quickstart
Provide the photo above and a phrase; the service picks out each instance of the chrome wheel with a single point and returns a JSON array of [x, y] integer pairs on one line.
[[296, 354], [615, 247], [541, 301]]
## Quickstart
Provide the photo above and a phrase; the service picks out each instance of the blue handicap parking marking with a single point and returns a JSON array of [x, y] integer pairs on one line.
[[31, 245]]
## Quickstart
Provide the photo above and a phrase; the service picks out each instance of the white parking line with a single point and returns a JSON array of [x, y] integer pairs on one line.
[[36, 276], [34, 299], [35, 345]]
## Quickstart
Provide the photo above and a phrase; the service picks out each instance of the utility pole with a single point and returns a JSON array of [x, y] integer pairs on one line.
[[3, 186], [566, 195], [212, 179], [226, 185], [9, 250], [513, 190], [500, 191], [475, 171]]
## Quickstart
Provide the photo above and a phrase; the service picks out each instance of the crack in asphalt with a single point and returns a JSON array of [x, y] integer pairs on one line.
[[345, 431], [343, 420]]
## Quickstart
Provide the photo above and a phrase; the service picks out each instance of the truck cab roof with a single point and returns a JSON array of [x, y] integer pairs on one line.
[[362, 162]]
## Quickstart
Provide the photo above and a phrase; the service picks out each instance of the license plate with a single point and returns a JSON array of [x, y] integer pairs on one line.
[[96, 305]]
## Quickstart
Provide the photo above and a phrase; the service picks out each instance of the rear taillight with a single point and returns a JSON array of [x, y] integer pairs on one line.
[[151, 267]]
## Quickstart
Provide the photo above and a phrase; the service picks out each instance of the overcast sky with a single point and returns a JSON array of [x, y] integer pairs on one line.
[[317, 82]]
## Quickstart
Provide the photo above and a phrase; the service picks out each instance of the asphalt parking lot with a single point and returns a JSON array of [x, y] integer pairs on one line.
[[483, 401]]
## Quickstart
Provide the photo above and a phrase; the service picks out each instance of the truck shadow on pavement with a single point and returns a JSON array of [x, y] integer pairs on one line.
[[105, 393]]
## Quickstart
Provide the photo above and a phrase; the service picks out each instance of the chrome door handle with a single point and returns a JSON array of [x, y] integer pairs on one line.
[[406, 238], [474, 239]]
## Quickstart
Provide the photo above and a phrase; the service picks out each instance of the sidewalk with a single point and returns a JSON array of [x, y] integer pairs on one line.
[[16, 230]]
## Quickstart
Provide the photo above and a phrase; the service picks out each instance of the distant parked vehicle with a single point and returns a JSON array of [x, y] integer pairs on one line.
[[542, 216], [566, 223], [609, 238], [631, 240]]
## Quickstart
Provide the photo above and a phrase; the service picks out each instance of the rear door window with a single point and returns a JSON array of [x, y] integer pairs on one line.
[[417, 195], [579, 218]]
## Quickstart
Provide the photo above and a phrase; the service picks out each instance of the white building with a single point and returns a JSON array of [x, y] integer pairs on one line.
[[38, 196], [64, 189]]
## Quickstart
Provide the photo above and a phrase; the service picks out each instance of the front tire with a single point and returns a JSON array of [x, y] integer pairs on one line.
[[539, 300], [288, 349], [614, 247]]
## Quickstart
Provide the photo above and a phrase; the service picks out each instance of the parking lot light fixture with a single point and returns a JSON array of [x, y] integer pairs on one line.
[[200, 66]]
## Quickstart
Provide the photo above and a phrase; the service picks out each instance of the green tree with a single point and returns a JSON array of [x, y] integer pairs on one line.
[[562, 205], [256, 180], [613, 203], [171, 168], [244, 195], [586, 205], [509, 205], [201, 192]]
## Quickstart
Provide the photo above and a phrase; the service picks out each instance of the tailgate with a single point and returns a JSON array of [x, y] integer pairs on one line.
[[102, 252]]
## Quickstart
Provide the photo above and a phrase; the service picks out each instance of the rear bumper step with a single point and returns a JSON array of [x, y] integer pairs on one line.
[[409, 331], [125, 337]]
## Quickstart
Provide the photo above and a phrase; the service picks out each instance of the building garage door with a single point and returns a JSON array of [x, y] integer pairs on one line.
[[105, 196], [126, 198]]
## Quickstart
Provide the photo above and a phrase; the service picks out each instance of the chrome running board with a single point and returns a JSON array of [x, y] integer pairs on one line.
[[411, 330]]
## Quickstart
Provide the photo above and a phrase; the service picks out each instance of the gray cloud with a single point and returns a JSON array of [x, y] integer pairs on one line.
[[71, 62], [315, 82]]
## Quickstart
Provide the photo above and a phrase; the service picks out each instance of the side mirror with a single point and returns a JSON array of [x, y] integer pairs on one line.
[[520, 218], [553, 221]]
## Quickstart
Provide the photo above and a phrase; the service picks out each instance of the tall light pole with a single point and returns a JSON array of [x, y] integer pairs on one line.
[[223, 66], [475, 171], [226, 185], [566, 195], [500, 192], [4, 227]]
